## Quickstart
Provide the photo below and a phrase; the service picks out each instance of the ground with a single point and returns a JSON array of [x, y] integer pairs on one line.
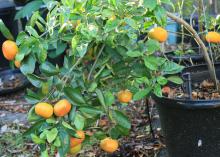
[[140, 143]]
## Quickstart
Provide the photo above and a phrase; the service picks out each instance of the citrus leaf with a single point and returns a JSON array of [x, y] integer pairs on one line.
[[49, 69], [36, 139], [175, 79], [28, 65], [51, 135], [141, 94], [79, 122], [65, 142], [32, 116], [4, 30], [121, 119], [74, 95]]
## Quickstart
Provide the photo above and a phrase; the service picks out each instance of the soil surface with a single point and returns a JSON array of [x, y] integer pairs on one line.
[[140, 142]]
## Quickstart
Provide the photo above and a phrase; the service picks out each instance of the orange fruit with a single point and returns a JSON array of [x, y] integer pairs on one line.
[[109, 145], [76, 149], [75, 141], [17, 64], [166, 90], [44, 110], [124, 96], [62, 107], [213, 37], [9, 49], [159, 34]]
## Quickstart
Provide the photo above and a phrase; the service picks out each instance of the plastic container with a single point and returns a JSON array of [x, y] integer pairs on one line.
[[187, 59], [12, 76], [191, 128], [7, 13]]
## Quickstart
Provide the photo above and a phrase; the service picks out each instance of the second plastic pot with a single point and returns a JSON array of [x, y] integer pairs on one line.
[[191, 127]]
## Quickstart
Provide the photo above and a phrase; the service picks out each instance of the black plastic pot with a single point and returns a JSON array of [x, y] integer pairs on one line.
[[7, 74], [20, 2], [191, 128], [187, 59]]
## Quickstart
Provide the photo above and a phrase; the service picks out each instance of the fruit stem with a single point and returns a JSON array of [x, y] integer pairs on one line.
[[210, 64]]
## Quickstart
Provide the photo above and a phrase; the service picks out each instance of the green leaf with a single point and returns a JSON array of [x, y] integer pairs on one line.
[[111, 25], [151, 62], [134, 53], [175, 79], [82, 49], [44, 153], [35, 127], [51, 135], [57, 142], [22, 36], [5, 31], [79, 122], [36, 139], [32, 116], [123, 131], [114, 133], [162, 80], [72, 114], [171, 68], [66, 125], [91, 110], [41, 55], [74, 43], [59, 50], [141, 94], [32, 31], [28, 65], [131, 22], [159, 14], [92, 87], [35, 80], [100, 96], [121, 119], [65, 142], [150, 4], [157, 90], [109, 98], [74, 95], [152, 46], [99, 135], [28, 9], [49, 69]]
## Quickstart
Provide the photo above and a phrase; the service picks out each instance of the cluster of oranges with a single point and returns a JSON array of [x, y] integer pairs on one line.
[[10, 49], [60, 109]]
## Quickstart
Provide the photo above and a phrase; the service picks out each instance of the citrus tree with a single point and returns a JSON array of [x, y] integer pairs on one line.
[[108, 61]]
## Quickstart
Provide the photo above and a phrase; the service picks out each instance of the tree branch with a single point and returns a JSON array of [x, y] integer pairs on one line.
[[97, 58]]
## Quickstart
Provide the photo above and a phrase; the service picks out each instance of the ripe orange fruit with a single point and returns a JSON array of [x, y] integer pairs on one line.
[[159, 34], [9, 49], [17, 64], [124, 96], [109, 145], [62, 107], [76, 149], [166, 90], [44, 110], [213, 37], [75, 141]]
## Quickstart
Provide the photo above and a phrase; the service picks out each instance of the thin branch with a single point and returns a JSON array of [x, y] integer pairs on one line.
[[97, 58], [211, 67]]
